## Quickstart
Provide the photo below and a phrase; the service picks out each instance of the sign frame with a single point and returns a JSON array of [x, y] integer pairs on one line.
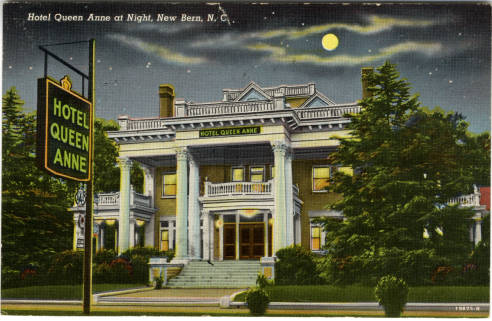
[[43, 125]]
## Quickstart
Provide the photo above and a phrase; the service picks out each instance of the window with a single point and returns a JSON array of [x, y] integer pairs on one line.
[[238, 174], [272, 172], [315, 238], [257, 174], [169, 185], [164, 240], [321, 178]]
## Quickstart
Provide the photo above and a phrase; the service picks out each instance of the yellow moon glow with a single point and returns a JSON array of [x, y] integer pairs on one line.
[[329, 42]]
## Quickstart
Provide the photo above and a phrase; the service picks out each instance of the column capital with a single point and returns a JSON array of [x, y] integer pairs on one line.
[[280, 147], [182, 153], [124, 162], [147, 169]]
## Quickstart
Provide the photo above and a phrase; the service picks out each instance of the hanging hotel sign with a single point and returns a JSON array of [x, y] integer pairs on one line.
[[230, 131], [64, 130]]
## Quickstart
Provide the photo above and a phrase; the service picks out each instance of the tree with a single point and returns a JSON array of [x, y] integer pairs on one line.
[[35, 220], [408, 162], [106, 170]]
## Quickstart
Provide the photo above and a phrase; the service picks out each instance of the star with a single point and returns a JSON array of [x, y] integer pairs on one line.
[[188, 71], [98, 60], [30, 67], [110, 68], [10, 67], [450, 81], [430, 73], [370, 50]]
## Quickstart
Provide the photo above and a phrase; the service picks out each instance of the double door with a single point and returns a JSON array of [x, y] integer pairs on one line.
[[251, 241]]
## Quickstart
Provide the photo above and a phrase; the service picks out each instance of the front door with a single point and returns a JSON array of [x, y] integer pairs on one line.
[[251, 236]]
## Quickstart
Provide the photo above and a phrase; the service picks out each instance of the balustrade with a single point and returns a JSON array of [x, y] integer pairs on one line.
[[469, 200], [327, 112], [111, 199]]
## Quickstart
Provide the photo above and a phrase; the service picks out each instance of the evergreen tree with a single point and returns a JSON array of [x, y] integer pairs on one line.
[[408, 163], [35, 220]]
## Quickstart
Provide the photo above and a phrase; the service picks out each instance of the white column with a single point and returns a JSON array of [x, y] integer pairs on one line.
[[149, 182], [171, 230], [124, 220], [221, 239], [149, 232], [182, 204], [194, 251], [237, 235], [211, 226], [289, 200], [206, 236], [101, 236], [265, 234], [298, 229], [132, 232], [478, 231], [279, 221]]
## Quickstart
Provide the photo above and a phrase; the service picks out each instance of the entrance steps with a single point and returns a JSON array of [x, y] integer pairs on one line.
[[222, 274]]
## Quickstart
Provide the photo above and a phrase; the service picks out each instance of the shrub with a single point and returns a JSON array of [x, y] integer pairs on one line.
[[257, 300], [104, 256], [295, 266], [66, 268], [262, 281], [392, 293], [158, 282]]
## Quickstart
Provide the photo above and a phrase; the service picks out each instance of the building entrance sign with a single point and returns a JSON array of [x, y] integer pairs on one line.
[[64, 130], [230, 131]]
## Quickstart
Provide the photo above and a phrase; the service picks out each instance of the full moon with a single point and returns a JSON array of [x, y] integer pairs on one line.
[[329, 42]]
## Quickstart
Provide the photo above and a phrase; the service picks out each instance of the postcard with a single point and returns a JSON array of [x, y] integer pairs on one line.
[[328, 159]]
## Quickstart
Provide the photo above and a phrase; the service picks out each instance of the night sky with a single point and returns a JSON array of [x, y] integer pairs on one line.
[[443, 51]]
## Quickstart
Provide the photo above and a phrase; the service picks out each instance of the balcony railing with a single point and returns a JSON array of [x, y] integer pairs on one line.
[[228, 108], [470, 200], [113, 199], [327, 112], [238, 188]]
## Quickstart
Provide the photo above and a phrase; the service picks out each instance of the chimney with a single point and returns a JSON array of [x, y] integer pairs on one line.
[[365, 72], [166, 100]]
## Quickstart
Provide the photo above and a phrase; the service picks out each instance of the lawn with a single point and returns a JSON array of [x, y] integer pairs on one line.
[[60, 292], [328, 293]]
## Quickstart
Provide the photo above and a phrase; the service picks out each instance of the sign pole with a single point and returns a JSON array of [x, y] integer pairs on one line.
[[87, 295]]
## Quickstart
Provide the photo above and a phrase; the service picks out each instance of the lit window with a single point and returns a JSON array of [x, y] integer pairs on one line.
[[164, 240], [257, 174], [315, 238], [273, 172], [238, 174], [321, 178], [169, 185]]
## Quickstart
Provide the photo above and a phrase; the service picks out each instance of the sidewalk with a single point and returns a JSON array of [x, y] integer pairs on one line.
[[219, 302]]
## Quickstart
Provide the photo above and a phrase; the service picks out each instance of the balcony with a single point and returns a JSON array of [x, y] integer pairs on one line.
[[470, 200], [113, 199], [193, 112], [238, 188]]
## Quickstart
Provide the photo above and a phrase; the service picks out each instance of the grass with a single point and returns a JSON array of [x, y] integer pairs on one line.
[[60, 292], [328, 293]]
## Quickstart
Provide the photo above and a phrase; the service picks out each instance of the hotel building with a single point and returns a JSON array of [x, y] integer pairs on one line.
[[229, 180]]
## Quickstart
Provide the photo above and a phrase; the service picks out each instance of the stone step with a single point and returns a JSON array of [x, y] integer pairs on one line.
[[229, 274]]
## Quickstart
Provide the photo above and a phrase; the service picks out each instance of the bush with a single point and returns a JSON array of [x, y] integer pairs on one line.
[[104, 256], [257, 300], [117, 271], [158, 282], [392, 293], [262, 281], [295, 266], [66, 268]]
